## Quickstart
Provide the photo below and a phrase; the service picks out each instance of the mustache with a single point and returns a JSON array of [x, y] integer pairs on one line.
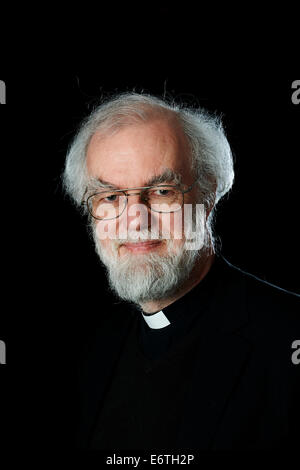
[[138, 237]]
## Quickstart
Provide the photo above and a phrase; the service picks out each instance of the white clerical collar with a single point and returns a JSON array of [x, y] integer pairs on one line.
[[156, 320]]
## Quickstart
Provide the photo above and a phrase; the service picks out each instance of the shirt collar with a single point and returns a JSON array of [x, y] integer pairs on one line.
[[156, 320], [185, 306]]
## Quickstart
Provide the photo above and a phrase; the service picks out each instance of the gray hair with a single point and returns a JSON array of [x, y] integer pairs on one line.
[[212, 160]]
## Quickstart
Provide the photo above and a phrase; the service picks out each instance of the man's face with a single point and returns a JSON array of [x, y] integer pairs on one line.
[[130, 158]]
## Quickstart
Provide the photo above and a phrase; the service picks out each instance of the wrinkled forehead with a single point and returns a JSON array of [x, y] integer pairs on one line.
[[136, 153]]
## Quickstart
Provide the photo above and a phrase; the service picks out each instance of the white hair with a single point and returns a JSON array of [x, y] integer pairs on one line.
[[212, 160]]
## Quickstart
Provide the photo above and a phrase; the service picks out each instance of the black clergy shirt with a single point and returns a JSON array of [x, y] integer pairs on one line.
[[143, 407], [222, 375], [183, 314]]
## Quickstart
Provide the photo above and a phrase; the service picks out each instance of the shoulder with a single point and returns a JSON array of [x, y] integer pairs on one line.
[[261, 294], [273, 313]]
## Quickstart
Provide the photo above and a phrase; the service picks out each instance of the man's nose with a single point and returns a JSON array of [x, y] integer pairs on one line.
[[138, 214]]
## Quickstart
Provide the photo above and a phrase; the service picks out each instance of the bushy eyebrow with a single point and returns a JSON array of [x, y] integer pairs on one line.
[[168, 176]]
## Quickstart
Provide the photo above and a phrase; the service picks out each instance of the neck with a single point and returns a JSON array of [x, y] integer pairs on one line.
[[198, 273]]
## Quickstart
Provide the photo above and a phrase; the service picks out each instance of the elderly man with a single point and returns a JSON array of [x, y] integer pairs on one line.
[[198, 353]]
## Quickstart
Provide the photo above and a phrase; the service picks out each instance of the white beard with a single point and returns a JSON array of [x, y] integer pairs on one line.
[[142, 278]]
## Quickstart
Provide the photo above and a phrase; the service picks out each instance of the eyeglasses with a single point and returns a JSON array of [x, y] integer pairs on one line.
[[162, 198]]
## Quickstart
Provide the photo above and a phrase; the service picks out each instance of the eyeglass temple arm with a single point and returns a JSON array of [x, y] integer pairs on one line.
[[191, 186]]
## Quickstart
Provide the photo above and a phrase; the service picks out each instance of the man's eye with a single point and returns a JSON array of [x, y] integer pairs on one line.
[[162, 192], [111, 198]]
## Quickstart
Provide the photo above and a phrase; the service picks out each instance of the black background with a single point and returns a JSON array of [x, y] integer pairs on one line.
[[54, 289]]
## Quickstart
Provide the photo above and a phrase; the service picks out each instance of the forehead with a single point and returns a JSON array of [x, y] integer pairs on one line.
[[135, 153]]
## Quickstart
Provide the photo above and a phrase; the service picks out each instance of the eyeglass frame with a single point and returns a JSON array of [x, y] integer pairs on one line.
[[177, 186]]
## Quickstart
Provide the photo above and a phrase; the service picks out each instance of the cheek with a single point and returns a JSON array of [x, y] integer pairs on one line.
[[105, 234], [106, 230], [105, 244], [172, 226]]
